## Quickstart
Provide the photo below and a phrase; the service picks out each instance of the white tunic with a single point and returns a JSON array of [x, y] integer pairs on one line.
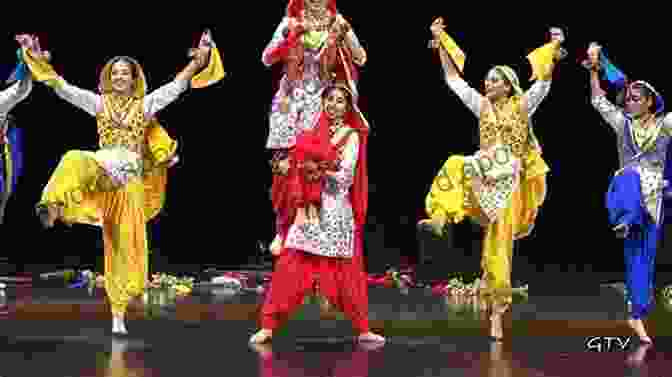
[[334, 235]]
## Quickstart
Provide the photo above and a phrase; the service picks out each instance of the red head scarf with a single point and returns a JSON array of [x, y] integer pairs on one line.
[[295, 10], [295, 7], [359, 192]]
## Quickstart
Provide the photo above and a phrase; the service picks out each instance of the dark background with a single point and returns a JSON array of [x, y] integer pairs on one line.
[[218, 209]]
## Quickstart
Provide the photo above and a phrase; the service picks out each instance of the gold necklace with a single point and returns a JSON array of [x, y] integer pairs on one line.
[[317, 21], [335, 125]]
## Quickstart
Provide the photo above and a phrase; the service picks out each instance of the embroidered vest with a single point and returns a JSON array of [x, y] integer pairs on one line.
[[122, 123], [507, 123]]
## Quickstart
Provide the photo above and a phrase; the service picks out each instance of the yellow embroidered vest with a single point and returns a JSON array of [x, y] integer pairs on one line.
[[122, 123], [507, 121]]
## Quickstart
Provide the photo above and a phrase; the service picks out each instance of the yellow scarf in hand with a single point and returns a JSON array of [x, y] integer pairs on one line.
[[543, 60], [214, 72], [453, 50], [40, 68]]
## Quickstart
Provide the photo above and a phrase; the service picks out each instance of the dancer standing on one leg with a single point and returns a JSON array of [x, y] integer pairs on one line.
[[328, 253], [637, 192], [114, 187], [11, 155], [316, 46], [504, 184]]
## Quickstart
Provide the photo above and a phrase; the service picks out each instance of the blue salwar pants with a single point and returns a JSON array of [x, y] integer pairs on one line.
[[625, 205]]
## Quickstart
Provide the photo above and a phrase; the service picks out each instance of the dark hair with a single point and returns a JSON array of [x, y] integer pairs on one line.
[[128, 60]]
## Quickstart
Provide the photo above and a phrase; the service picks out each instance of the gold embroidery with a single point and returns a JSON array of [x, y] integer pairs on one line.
[[122, 123], [645, 136], [508, 121]]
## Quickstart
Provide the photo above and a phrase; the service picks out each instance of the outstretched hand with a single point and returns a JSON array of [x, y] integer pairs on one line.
[[200, 55], [593, 61], [32, 42]]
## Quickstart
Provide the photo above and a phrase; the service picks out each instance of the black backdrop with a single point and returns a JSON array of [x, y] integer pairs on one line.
[[217, 207]]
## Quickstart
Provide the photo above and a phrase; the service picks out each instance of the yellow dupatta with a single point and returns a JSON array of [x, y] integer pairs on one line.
[[543, 60], [214, 72], [454, 51]]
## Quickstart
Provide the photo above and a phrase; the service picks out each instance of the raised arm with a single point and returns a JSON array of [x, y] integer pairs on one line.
[[168, 93], [344, 176], [536, 94], [16, 93], [283, 39], [469, 96], [164, 96], [612, 114]]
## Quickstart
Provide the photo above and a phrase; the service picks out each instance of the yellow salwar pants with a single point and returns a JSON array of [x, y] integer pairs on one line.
[[87, 195], [451, 198]]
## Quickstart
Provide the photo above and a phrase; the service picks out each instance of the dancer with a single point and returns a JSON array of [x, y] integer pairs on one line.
[[116, 187], [636, 195], [328, 254], [316, 46], [504, 184], [11, 154]]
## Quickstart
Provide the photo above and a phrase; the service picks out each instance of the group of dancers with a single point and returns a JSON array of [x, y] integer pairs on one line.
[[318, 136]]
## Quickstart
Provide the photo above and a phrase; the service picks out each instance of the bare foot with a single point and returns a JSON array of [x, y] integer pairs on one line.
[[638, 326], [369, 346], [371, 337], [262, 336]]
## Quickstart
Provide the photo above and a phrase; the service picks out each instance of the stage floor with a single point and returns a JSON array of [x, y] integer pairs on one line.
[[66, 332]]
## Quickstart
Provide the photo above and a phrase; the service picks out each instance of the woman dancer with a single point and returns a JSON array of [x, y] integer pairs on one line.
[[328, 254], [11, 155], [636, 196], [316, 46], [504, 184], [115, 187]]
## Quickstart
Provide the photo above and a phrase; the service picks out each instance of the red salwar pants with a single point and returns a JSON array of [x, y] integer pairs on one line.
[[342, 281]]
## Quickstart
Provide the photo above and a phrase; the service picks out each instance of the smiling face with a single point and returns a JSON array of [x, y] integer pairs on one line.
[[121, 76], [638, 101], [336, 103], [496, 85]]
